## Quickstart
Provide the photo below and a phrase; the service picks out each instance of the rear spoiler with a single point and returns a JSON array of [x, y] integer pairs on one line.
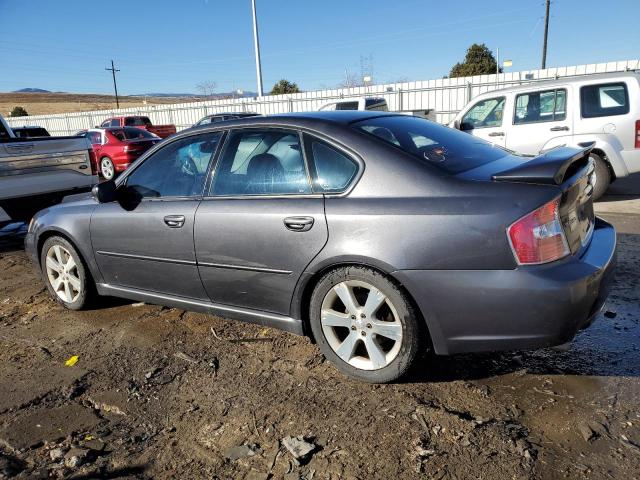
[[550, 168]]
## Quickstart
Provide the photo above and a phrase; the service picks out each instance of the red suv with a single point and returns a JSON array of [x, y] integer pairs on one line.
[[116, 148]]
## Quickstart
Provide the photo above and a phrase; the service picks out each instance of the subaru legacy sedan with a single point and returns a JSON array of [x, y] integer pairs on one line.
[[380, 236]]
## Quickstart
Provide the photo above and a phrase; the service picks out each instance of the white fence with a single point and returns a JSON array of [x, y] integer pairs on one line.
[[446, 96]]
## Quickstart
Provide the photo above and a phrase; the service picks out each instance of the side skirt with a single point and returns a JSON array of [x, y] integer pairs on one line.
[[272, 320]]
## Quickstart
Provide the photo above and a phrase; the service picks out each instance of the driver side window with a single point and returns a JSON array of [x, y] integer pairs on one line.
[[484, 114], [177, 170]]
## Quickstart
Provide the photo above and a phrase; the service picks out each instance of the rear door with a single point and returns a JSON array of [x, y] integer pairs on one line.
[[538, 117], [260, 224], [485, 119], [145, 240]]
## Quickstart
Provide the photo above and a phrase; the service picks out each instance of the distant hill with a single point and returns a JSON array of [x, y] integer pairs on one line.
[[31, 90]]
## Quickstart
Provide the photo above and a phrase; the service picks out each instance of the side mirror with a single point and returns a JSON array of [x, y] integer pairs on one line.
[[105, 192], [456, 124], [465, 126]]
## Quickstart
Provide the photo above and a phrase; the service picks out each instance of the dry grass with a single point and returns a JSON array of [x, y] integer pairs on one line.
[[50, 103]]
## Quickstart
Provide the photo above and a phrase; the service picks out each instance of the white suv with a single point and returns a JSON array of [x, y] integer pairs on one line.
[[574, 112]]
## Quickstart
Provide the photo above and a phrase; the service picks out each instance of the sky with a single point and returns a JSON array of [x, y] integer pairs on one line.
[[170, 46]]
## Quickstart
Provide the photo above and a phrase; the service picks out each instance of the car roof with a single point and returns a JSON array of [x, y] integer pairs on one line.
[[597, 77]]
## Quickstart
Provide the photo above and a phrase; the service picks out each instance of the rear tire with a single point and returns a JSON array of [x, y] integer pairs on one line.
[[602, 176], [107, 168], [65, 274], [375, 339]]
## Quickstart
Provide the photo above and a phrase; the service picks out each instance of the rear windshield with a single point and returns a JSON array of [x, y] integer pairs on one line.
[[136, 121], [448, 149], [132, 134]]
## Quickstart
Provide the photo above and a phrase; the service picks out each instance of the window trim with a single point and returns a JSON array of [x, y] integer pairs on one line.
[[122, 179], [208, 193], [566, 106], [609, 84], [504, 97]]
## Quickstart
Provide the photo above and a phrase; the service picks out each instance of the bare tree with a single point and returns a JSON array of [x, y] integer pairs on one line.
[[206, 88], [350, 80]]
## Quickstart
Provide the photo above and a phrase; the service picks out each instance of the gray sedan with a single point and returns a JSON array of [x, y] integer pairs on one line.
[[381, 236]]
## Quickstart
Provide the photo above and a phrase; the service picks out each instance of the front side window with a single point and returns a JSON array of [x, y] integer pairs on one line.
[[115, 122], [484, 114], [177, 170], [534, 107], [261, 162], [333, 170], [604, 100]]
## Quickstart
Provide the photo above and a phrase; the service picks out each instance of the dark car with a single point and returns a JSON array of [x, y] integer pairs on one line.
[[379, 235], [30, 132], [221, 117]]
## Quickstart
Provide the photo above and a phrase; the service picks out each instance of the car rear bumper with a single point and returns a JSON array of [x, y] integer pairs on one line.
[[526, 308], [631, 160]]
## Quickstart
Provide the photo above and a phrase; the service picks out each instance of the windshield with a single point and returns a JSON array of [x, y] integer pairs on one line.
[[448, 149]]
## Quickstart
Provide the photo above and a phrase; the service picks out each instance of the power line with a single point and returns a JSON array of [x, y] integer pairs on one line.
[[113, 70], [546, 33]]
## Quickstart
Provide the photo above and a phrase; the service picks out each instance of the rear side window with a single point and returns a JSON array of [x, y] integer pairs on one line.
[[604, 100], [347, 106], [447, 149], [262, 162], [484, 114], [535, 107], [333, 170]]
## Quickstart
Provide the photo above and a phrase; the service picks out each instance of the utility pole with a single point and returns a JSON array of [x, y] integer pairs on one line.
[[115, 86], [546, 33], [256, 44]]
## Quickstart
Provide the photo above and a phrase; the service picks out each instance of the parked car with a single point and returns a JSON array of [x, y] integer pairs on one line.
[[221, 117], [38, 172], [163, 131], [30, 132], [116, 148], [379, 235], [361, 103], [600, 109]]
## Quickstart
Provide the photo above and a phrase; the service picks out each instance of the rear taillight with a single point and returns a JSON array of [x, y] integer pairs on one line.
[[93, 161], [637, 134], [538, 237]]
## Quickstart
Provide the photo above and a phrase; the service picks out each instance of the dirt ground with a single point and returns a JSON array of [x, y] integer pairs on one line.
[[162, 393], [51, 103]]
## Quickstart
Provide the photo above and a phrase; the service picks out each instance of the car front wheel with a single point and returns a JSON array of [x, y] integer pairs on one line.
[[65, 274], [365, 324]]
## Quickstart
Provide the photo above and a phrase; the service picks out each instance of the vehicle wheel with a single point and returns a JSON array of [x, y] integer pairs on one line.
[[601, 177], [365, 324], [106, 168], [65, 274]]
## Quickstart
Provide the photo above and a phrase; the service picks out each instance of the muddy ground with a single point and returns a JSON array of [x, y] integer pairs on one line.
[[162, 393]]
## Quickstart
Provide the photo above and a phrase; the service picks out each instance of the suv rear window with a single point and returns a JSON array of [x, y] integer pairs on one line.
[[448, 149], [604, 100]]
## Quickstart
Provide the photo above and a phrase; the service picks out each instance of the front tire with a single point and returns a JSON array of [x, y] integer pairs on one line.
[[65, 274], [602, 176], [107, 168], [365, 324]]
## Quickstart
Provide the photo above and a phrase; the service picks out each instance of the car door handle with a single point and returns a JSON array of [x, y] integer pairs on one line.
[[298, 224], [174, 221], [496, 134], [559, 129]]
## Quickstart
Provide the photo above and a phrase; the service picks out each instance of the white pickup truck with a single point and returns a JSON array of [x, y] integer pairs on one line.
[[38, 172]]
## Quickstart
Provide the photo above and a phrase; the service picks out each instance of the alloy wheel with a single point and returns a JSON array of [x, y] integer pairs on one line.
[[106, 167], [62, 272], [361, 325]]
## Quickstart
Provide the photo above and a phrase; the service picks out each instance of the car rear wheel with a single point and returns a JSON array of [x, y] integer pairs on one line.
[[106, 168], [365, 324], [65, 274], [601, 177]]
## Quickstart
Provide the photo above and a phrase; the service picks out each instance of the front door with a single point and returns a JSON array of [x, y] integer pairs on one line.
[[145, 239], [538, 117], [485, 119], [260, 225]]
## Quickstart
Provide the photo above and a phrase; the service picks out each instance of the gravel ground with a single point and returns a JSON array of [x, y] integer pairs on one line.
[[139, 391]]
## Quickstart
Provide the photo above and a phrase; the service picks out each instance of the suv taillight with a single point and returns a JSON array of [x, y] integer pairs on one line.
[[93, 161], [538, 237], [637, 133]]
